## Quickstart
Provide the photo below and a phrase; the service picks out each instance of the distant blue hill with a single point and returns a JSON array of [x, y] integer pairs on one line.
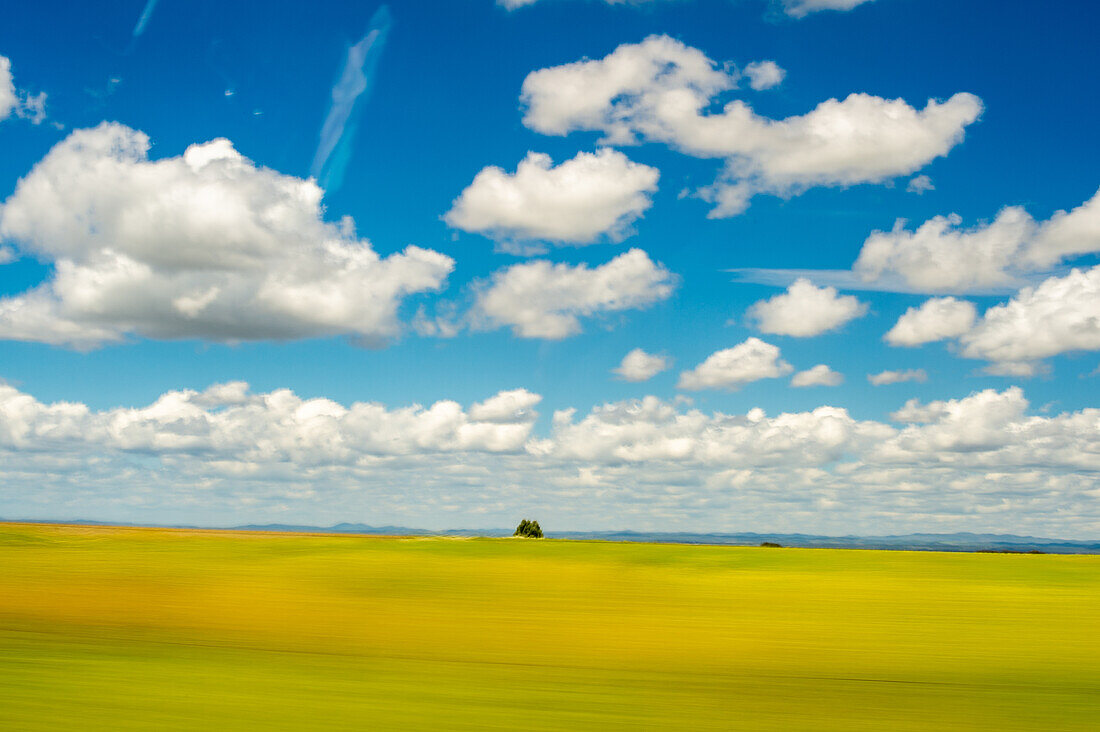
[[957, 542]]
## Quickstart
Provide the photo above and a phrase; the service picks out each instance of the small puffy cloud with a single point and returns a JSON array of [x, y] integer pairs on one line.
[[658, 91], [802, 8], [577, 202], [641, 366], [203, 245], [540, 299], [1060, 315], [729, 368], [942, 256], [820, 375], [897, 377], [516, 405], [937, 319], [920, 184], [805, 310], [764, 74]]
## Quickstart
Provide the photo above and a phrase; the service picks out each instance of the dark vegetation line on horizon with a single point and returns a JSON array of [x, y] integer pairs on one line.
[[954, 542]]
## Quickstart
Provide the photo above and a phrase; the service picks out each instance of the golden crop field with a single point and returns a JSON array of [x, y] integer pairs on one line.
[[120, 628]]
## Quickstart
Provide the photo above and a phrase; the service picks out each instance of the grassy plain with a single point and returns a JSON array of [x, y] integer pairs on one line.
[[119, 628]]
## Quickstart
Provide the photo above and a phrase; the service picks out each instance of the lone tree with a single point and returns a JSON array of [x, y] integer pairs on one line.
[[528, 530]]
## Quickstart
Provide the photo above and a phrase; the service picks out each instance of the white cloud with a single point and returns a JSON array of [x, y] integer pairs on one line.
[[15, 101], [920, 184], [804, 310], [941, 256], [507, 407], [802, 8], [897, 377], [577, 202], [935, 320], [977, 463], [8, 98], [230, 423], [1065, 235], [540, 299], [1060, 315], [641, 366], [764, 74], [657, 90], [204, 245], [729, 368], [820, 375]]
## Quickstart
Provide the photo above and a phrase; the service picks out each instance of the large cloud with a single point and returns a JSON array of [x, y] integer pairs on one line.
[[540, 299], [941, 256], [657, 90], [228, 422], [1060, 315], [204, 245], [227, 455], [730, 368], [577, 202], [804, 310]]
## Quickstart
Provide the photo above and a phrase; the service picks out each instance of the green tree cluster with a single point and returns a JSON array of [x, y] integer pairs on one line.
[[528, 529]]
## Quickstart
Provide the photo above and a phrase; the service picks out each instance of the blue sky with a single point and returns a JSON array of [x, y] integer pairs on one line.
[[1003, 432]]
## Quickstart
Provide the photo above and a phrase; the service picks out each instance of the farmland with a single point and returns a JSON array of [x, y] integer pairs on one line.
[[128, 628]]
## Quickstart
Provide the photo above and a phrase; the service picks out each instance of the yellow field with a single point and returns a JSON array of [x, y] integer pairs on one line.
[[118, 628]]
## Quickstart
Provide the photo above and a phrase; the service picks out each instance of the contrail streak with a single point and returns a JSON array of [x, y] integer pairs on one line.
[[348, 96], [144, 19]]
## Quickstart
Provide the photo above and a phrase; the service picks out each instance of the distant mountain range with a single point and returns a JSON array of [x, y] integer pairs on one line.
[[957, 542]]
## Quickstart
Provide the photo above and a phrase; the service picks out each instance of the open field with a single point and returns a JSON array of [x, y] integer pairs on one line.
[[123, 628]]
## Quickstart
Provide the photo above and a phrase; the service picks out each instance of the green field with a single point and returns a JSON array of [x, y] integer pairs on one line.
[[117, 628]]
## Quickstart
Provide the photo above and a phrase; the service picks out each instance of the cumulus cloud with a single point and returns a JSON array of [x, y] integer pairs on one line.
[[657, 91], [1060, 315], [805, 310], [764, 74], [820, 375], [246, 457], [229, 422], [641, 366], [937, 319], [802, 8], [203, 245], [577, 202], [540, 299], [730, 368], [942, 256], [885, 378]]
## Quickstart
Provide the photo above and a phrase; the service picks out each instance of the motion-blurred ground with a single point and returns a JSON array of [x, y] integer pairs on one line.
[[122, 628]]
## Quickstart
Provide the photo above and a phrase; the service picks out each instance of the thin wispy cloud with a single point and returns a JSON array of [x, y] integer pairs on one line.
[[146, 14], [348, 96]]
